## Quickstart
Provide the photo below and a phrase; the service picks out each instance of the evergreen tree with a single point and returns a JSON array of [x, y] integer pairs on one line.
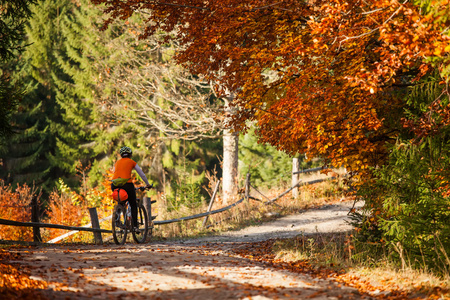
[[58, 127], [28, 154], [185, 164], [75, 91], [411, 192], [130, 88], [13, 15], [92, 136]]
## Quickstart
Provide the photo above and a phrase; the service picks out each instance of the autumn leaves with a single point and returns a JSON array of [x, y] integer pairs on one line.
[[327, 78]]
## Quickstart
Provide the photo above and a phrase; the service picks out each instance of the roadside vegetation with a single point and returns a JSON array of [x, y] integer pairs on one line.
[[374, 267]]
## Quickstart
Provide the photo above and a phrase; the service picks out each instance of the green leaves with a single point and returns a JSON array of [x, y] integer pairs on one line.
[[413, 189]]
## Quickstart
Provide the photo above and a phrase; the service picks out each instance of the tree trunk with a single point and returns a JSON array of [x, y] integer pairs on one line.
[[230, 161], [230, 165]]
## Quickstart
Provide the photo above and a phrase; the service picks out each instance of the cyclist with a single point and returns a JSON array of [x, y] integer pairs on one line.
[[122, 170]]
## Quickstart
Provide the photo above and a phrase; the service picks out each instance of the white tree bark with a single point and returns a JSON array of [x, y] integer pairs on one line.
[[230, 160], [230, 165]]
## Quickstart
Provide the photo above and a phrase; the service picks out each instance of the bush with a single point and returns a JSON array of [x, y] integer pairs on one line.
[[408, 204], [15, 205]]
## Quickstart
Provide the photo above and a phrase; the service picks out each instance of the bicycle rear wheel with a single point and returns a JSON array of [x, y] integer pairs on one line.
[[140, 234], [119, 224]]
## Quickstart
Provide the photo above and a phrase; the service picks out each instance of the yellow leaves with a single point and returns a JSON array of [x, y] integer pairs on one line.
[[320, 130], [447, 48], [437, 51]]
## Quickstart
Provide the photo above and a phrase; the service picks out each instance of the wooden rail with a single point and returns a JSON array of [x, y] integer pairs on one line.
[[208, 213], [47, 225], [97, 231], [309, 170]]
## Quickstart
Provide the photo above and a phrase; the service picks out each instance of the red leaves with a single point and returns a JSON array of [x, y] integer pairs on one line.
[[318, 77]]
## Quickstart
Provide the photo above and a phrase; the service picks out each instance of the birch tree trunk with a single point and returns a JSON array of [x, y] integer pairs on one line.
[[230, 161]]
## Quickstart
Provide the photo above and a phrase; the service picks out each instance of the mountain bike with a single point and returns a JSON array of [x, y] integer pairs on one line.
[[122, 222]]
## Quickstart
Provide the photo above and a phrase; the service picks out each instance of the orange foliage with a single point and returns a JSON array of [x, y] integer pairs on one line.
[[14, 283], [15, 206], [67, 207], [104, 193], [319, 77], [62, 210]]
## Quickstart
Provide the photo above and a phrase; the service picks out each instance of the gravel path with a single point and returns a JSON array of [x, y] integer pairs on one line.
[[326, 219], [192, 269]]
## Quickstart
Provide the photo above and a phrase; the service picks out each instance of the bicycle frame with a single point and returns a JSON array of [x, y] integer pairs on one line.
[[122, 222]]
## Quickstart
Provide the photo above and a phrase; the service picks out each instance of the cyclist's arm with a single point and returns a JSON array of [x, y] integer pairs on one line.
[[141, 174]]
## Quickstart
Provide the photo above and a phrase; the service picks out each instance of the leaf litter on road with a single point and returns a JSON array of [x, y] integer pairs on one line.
[[230, 268]]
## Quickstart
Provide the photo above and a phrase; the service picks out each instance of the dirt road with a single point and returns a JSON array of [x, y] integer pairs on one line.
[[208, 268]]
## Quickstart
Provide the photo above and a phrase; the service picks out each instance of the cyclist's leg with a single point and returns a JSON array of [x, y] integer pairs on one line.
[[133, 206], [129, 187]]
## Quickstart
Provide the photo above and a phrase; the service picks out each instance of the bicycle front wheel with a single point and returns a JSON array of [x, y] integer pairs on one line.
[[119, 224], [140, 233]]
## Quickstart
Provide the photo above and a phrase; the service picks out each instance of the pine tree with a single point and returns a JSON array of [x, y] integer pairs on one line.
[[13, 15], [91, 137], [128, 85], [28, 155], [75, 91]]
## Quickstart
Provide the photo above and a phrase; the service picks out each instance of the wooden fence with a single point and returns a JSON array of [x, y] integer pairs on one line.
[[94, 226]]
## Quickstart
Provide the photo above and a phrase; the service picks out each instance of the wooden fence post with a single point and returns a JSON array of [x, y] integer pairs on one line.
[[211, 202], [35, 219], [295, 176], [247, 191], [95, 224], [148, 206]]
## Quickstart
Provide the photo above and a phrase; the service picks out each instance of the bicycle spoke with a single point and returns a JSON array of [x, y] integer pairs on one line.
[[140, 235], [119, 228]]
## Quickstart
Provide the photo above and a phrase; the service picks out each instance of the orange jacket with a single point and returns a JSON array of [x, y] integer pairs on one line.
[[123, 168]]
